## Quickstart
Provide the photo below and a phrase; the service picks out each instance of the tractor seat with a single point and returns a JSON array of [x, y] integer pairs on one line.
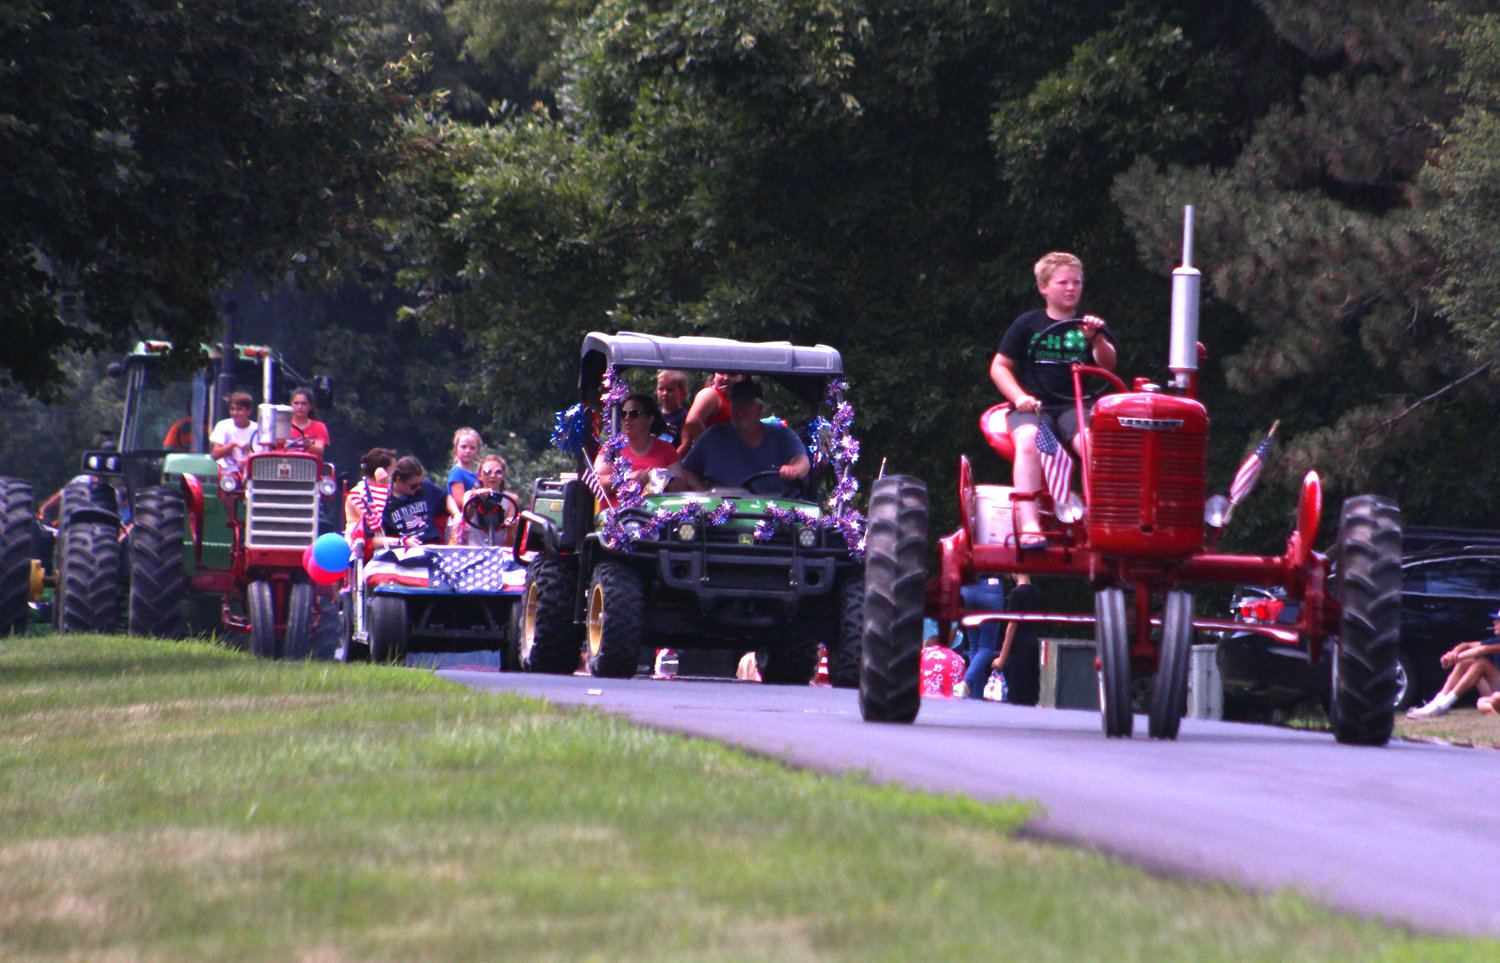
[[996, 432]]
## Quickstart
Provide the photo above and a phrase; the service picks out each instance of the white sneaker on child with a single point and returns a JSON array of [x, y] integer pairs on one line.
[[1430, 711]]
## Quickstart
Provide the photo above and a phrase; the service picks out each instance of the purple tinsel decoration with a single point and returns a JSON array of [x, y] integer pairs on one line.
[[616, 388]]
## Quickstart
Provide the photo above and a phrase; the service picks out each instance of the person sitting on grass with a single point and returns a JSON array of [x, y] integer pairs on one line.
[[1471, 666]]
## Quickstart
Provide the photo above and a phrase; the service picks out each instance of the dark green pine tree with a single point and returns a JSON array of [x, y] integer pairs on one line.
[[1318, 276]]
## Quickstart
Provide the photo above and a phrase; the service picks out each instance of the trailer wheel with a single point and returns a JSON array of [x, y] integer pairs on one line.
[[843, 661], [262, 606], [388, 628], [1368, 585], [550, 640], [299, 612], [1115, 709], [616, 620], [87, 598], [1169, 693], [157, 581], [895, 594], [17, 502]]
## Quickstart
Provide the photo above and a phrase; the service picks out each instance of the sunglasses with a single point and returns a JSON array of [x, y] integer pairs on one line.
[[632, 413]]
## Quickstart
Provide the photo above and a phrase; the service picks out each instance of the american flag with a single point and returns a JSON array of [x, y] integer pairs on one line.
[[476, 570], [1057, 464], [591, 479], [1244, 479]]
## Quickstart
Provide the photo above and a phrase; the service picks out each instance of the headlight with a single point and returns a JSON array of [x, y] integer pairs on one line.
[[632, 526], [1216, 511], [229, 482], [1070, 510], [687, 531], [807, 537], [328, 487]]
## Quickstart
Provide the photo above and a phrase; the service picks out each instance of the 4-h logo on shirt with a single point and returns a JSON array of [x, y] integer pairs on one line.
[[1059, 346]]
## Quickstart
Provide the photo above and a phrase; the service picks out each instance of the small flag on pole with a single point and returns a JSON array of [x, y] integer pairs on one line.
[[596, 486], [1244, 479], [1057, 464]]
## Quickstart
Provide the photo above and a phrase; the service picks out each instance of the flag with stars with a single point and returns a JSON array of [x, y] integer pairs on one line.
[[1057, 464], [1244, 479], [476, 570]]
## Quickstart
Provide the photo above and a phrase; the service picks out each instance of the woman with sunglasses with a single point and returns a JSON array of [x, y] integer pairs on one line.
[[641, 421]]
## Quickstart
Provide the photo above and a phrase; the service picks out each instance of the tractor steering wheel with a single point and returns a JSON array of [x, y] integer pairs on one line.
[[1063, 343], [790, 487]]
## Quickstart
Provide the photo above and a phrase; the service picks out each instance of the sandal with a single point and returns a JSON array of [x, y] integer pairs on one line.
[[1033, 540]]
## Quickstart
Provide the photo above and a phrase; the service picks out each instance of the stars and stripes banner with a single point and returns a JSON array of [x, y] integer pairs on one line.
[[485, 571], [1057, 464], [1245, 478], [591, 479]]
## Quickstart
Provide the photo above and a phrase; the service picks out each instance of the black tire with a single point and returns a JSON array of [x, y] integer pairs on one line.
[[262, 610], [1368, 586], [89, 499], [299, 613], [843, 661], [17, 505], [1169, 692], [895, 597], [87, 597], [616, 622], [792, 662], [388, 628], [158, 583], [550, 640], [1113, 637]]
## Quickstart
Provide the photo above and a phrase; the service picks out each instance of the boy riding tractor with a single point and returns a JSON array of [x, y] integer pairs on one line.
[[1142, 532]]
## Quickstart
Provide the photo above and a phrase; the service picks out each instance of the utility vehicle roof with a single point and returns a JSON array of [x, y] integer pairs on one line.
[[803, 370]]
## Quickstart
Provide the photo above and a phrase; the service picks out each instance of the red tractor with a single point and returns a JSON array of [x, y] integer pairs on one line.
[[1142, 533]]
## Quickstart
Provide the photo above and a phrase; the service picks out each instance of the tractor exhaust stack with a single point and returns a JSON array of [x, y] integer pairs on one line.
[[1186, 283]]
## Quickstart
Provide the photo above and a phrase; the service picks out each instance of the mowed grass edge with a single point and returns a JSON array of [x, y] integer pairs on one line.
[[180, 801]]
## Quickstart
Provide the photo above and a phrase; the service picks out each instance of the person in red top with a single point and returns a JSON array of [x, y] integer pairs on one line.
[[313, 434], [942, 668], [641, 421], [710, 407]]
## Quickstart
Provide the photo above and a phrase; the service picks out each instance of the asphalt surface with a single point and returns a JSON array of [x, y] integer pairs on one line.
[[1401, 833]]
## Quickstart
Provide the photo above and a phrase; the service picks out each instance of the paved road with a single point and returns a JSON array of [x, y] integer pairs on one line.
[[1403, 832]]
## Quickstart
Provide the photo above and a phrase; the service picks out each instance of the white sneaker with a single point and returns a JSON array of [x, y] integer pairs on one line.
[[1430, 711]]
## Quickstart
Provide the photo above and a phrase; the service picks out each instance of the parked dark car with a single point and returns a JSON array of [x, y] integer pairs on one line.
[[1450, 585]]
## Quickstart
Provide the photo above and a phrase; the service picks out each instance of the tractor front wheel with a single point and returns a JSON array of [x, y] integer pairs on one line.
[[1113, 635], [1368, 585], [1169, 692], [895, 596], [262, 610], [299, 612]]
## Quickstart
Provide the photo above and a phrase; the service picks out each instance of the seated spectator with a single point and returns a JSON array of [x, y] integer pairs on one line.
[[729, 454], [671, 393], [414, 512], [1472, 666], [364, 506], [941, 669], [307, 431], [710, 407], [490, 513], [641, 422], [234, 437]]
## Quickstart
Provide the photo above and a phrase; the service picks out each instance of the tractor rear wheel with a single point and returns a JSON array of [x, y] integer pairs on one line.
[[388, 628], [1169, 692], [17, 503], [1113, 635], [299, 612], [157, 581], [1368, 586], [550, 640], [262, 606], [895, 596], [87, 598], [616, 620]]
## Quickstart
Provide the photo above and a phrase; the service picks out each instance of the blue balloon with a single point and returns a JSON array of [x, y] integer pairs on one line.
[[331, 552]]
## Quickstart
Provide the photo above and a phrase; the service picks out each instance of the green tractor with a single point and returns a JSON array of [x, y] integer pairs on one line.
[[758, 568], [152, 539]]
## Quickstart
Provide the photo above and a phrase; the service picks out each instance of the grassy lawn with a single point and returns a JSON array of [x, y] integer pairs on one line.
[[175, 801]]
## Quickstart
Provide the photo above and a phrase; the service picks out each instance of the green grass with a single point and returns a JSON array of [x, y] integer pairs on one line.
[[177, 801]]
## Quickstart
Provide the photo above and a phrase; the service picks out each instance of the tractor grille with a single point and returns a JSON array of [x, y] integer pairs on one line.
[[282, 501], [1146, 494]]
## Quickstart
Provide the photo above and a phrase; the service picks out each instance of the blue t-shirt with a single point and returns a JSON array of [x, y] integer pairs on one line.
[[416, 514], [722, 459], [463, 476]]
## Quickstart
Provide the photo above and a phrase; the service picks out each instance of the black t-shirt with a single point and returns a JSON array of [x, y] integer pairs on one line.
[[1052, 383]]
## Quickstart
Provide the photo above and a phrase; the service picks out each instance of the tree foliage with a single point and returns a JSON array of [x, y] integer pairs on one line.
[[156, 151]]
